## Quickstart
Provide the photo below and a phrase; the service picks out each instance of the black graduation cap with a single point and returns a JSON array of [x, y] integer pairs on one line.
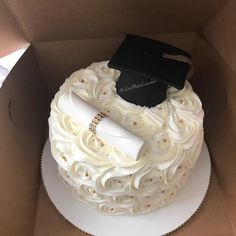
[[147, 68]]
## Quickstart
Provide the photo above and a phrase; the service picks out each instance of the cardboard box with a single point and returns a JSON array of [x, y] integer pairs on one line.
[[68, 35]]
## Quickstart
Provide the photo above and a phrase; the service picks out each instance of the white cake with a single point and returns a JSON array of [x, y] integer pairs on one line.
[[104, 176]]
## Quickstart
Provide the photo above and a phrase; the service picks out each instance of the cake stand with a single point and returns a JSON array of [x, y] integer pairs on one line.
[[160, 222]]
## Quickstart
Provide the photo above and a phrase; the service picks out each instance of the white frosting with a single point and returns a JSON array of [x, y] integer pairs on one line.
[[105, 176]]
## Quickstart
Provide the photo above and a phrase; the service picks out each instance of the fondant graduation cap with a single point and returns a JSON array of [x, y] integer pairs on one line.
[[147, 68]]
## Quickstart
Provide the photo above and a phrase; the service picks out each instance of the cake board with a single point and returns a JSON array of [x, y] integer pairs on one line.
[[160, 222]]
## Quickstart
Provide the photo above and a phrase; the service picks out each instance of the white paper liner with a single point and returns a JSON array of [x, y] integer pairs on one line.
[[160, 222]]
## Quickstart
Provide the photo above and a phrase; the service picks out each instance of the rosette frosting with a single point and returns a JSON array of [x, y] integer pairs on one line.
[[106, 177]]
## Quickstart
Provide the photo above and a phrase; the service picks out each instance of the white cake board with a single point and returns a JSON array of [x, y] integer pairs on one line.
[[160, 222]]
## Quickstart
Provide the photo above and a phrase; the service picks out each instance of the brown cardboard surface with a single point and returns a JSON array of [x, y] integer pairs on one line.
[[220, 121], [22, 125], [57, 60], [11, 36], [62, 20], [50, 223], [221, 33], [24, 100]]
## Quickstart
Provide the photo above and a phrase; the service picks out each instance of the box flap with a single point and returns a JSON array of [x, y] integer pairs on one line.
[[221, 33], [11, 37], [65, 20], [215, 83], [23, 123]]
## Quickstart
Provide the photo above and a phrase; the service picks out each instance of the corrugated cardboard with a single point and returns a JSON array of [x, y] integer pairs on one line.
[[22, 122], [68, 35], [68, 20], [11, 36], [220, 126], [221, 33]]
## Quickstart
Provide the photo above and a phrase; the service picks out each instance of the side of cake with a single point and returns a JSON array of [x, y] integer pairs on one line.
[[106, 177]]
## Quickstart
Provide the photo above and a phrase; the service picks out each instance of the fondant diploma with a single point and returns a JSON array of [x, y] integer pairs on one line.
[[107, 129]]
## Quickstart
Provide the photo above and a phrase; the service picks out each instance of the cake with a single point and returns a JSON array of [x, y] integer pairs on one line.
[[104, 176]]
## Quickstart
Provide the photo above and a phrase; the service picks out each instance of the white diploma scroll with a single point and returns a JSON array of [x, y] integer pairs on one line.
[[107, 129]]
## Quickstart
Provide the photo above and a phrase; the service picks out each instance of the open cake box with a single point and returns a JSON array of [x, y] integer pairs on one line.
[[65, 36]]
